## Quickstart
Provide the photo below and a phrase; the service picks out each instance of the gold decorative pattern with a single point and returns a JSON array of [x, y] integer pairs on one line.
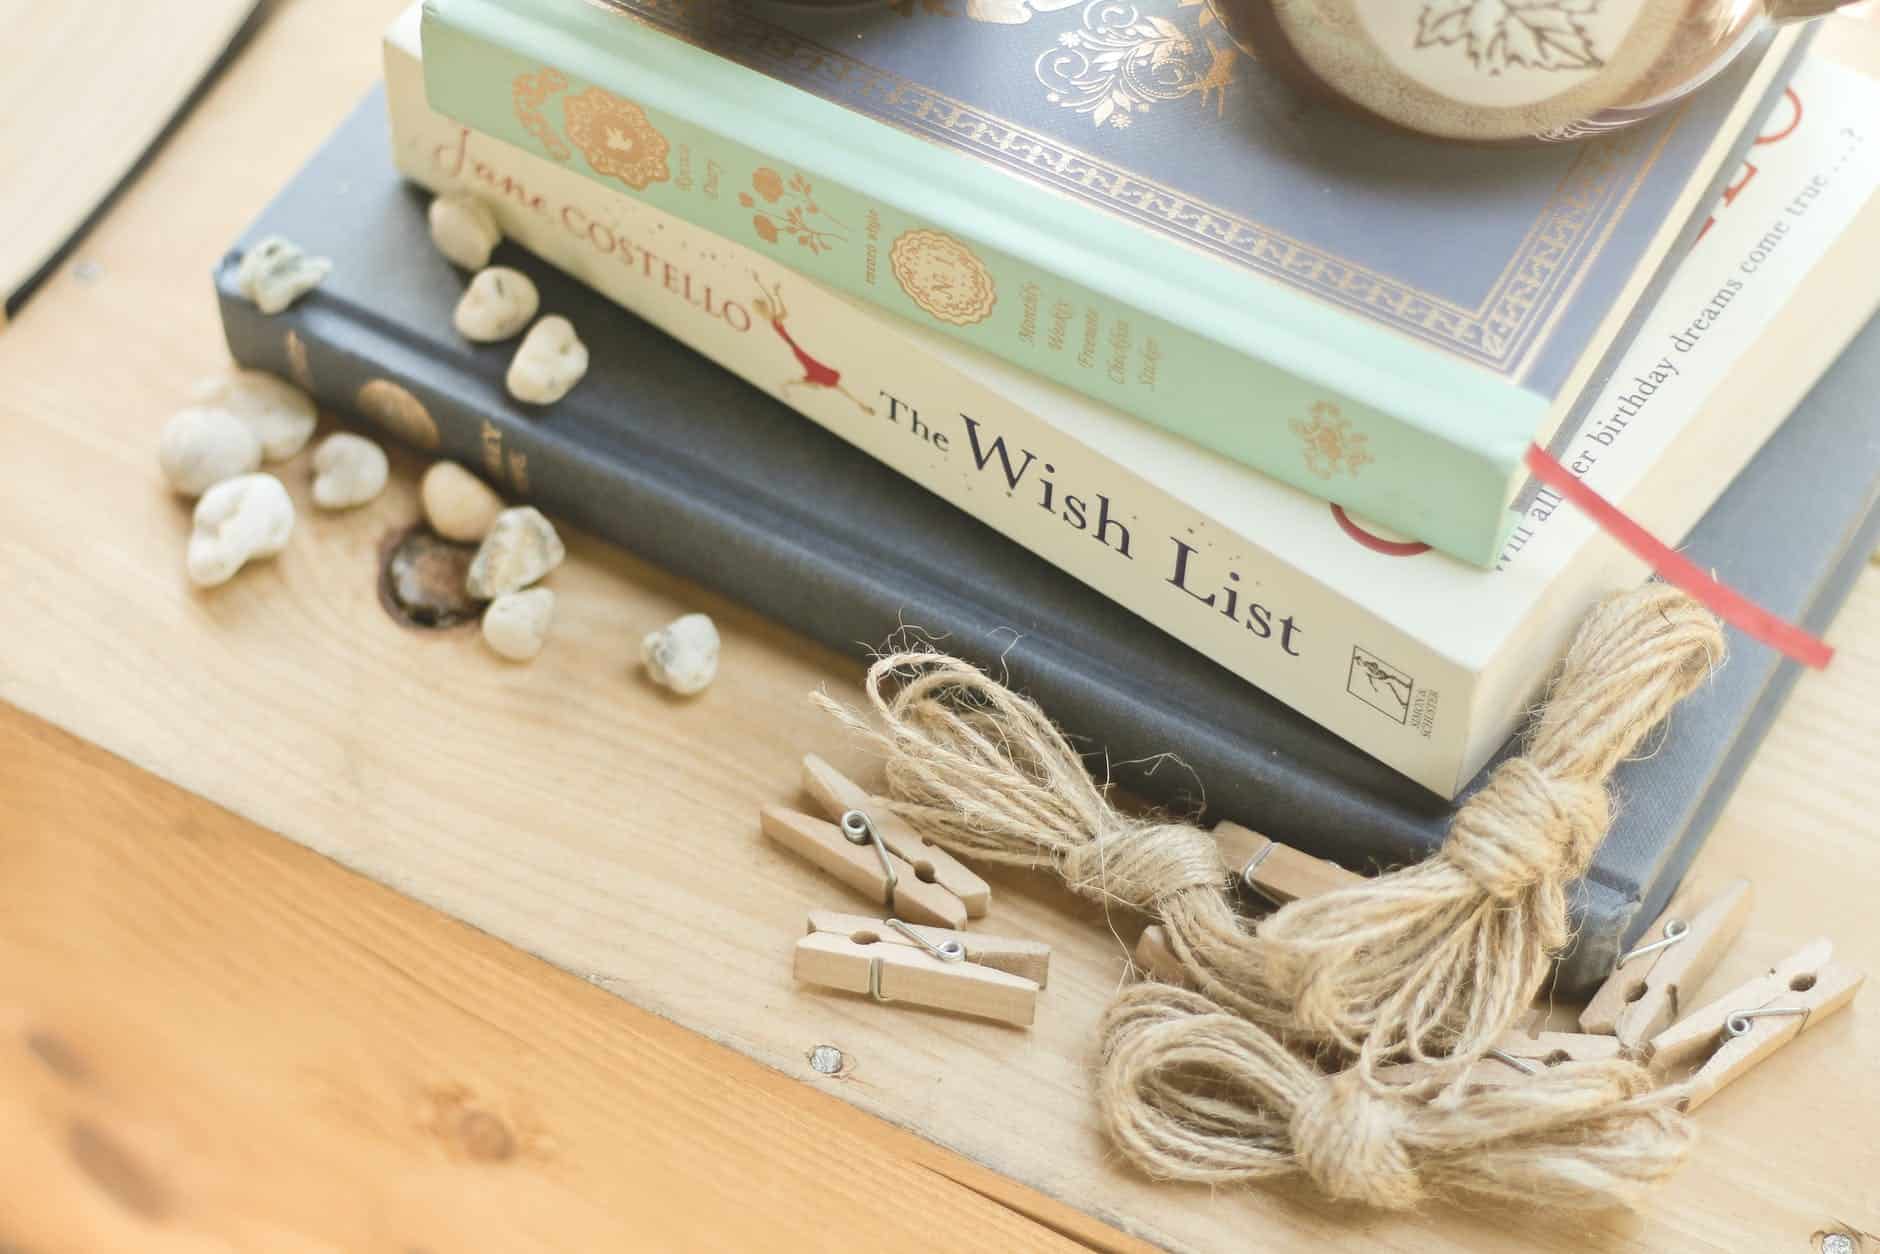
[[1331, 445], [797, 214], [398, 411], [299, 368], [529, 92], [616, 138], [1502, 332], [943, 276], [1121, 63]]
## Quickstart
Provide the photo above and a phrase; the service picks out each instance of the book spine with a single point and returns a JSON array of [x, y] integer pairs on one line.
[[1275, 380], [883, 390]]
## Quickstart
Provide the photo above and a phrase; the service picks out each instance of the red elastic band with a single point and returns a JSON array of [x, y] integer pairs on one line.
[[1679, 571]]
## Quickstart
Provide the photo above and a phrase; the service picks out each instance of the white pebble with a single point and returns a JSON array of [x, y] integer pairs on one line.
[[458, 505], [276, 272], [280, 414], [464, 229], [348, 471], [199, 448], [549, 362], [516, 623], [684, 655], [238, 521], [498, 303], [521, 548]]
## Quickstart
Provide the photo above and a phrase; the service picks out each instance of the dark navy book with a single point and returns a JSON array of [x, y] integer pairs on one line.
[[678, 460]]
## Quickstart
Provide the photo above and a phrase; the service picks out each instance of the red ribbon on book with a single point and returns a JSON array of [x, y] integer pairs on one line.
[[1679, 571]]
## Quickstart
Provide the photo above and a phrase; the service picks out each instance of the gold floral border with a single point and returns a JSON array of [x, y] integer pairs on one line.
[[1496, 334]]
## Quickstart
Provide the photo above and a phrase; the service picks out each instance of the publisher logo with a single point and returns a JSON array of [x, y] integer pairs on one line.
[[1380, 685]]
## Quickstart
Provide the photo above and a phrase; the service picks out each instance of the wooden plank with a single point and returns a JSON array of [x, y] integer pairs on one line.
[[212, 1039], [570, 808]]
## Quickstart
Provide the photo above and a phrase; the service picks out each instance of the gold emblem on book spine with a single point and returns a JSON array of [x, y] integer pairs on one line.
[[616, 138], [299, 368], [796, 215], [1331, 445], [398, 411], [943, 277], [529, 93]]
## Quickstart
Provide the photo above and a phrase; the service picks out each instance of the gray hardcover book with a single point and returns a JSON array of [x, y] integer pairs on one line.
[[667, 454]]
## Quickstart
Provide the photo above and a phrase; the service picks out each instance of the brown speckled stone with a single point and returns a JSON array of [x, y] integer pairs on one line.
[[422, 582]]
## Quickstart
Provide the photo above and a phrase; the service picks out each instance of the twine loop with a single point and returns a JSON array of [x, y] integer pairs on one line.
[[1527, 827], [1350, 1142], [1143, 864]]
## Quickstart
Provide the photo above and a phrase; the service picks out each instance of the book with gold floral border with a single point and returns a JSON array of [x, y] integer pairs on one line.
[[1114, 196]]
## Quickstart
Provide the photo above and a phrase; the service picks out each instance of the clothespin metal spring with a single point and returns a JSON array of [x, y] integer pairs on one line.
[[945, 951], [1738, 1023], [859, 829], [1519, 1064], [1675, 931]]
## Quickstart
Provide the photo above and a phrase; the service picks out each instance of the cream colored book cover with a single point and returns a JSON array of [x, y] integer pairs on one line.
[[1422, 661]]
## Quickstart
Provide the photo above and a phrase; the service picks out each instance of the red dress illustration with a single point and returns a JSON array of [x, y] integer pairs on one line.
[[771, 308]]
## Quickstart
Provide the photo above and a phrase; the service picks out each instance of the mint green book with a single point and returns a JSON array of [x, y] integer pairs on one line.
[[1117, 197]]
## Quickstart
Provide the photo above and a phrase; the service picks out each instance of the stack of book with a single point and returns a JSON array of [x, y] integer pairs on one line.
[[1064, 335]]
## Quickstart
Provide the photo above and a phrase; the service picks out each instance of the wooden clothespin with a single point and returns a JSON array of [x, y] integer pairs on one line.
[[1156, 958], [1518, 1055], [1657, 979], [1738, 1030], [864, 863], [895, 961], [837, 794], [1031, 959], [1277, 872]]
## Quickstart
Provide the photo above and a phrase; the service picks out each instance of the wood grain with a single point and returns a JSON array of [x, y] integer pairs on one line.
[[211, 1039], [578, 813]]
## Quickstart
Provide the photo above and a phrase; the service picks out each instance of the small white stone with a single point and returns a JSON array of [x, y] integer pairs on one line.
[[280, 414], [516, 623], [200, 447], [238, 521], [520, 549], [348, 471], [498, 303], [684, 655], [550, 360], [276, 272], [464, 229], [458, 505]]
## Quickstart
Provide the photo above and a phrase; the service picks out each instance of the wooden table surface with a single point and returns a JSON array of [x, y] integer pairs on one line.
[[220, 1029]]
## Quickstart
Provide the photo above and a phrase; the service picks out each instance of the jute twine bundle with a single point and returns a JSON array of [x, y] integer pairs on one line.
[[1426, 965], [1191, 1092]]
